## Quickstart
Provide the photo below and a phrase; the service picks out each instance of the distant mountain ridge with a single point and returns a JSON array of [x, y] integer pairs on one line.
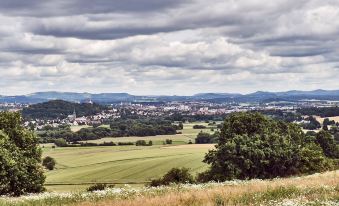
[[259, 96]]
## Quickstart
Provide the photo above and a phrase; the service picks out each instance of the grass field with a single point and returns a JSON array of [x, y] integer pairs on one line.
[[75, 128], [78, 167]]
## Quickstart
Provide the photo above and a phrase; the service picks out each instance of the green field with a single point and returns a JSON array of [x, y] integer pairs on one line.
[[78, 167]]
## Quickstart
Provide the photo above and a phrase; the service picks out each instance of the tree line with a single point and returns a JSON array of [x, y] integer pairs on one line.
[[118, 128]]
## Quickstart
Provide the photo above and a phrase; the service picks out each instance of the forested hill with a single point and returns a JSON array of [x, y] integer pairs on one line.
[[59, 109]]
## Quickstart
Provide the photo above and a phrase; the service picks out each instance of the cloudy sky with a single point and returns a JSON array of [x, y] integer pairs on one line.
[[168, 46]]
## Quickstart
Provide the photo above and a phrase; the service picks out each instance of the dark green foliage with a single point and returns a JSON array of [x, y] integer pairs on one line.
[[119, 128], [140, 143], [60, 142], [314, 124], [143, 143], [142, 127], [328, 144], [320, 111], [281, 115], [181, 125], [328, 122], [168, 141], [125, 143], [59, 109], [206, 138], [49, 162], [98, 186], [175, 175], [20, 158], [199, 127], [254, 146]]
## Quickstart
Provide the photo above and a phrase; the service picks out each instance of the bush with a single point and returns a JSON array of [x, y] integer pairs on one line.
[[175, 175], [205, 138], [168, 141], [125, 143], [49, 162], [20, 158], [98, 186], [60, 142], [199, 127], [254, 146], [140, 143]]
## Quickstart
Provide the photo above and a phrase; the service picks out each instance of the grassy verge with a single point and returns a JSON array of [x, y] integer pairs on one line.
[[317, 189]]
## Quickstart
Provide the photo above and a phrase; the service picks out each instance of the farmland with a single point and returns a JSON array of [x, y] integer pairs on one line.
[[78, 167], [321, 119]]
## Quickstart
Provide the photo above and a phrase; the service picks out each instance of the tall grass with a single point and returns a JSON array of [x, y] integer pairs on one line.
[[317, 189]]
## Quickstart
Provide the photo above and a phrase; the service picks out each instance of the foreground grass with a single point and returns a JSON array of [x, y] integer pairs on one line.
[[317, 189]]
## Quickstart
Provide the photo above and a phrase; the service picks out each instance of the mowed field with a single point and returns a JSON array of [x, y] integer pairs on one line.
[[78, 167], [321, 119]]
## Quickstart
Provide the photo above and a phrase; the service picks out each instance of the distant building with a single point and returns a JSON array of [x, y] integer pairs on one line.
[[72, 117]]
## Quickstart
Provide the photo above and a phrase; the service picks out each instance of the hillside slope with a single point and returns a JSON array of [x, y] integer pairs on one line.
[[317, 189]]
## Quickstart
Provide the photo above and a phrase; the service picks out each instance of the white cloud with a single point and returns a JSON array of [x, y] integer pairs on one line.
[[221, 46]]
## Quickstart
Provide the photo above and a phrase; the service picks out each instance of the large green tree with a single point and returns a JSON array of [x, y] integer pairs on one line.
[[254, 146], [20, 158]]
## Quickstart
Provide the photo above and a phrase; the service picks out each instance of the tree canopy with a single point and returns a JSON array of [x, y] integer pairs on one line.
[[20, 158], [254, 146]]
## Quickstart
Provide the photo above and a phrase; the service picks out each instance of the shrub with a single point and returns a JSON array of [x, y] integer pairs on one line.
[[168, 141], [140, 143], [125, 143], [205, 138], [199, 127], [98, 186], [49, 162], [175, 175], [60, 142]]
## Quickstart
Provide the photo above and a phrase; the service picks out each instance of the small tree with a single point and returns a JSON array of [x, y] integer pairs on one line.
[[49, 162]]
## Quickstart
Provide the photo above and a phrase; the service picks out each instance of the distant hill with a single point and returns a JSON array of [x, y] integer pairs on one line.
[[59, 109], [259, 96]]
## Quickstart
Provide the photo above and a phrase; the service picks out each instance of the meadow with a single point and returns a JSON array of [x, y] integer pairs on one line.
[[317, 189], [79, 167]]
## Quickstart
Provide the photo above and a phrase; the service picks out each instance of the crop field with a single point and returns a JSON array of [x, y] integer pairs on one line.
[[80, 166]]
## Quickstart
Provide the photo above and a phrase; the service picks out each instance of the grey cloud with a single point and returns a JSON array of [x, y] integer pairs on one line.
[[139, 45], [37, 8]]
